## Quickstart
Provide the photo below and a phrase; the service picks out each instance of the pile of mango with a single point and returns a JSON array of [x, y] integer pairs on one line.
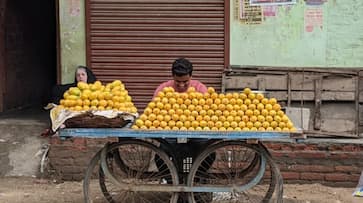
[[244, 111], [96, 96]]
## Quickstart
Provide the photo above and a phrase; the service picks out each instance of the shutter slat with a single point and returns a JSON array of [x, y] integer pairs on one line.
[[136, 41]]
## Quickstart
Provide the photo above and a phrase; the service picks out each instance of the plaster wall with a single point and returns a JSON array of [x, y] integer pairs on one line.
[[311, 33], [72, 37]]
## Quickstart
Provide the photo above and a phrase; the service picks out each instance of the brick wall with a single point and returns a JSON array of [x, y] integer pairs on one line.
[[69, 158], [327, 163]]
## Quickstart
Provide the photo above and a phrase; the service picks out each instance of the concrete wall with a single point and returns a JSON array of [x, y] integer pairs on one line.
[[327, 34], [72, 37]]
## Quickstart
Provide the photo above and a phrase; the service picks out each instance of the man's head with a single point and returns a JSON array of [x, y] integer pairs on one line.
[[182, 73]]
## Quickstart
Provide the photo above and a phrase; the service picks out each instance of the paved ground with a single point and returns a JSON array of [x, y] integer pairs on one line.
[[20, 141], [25, 189]]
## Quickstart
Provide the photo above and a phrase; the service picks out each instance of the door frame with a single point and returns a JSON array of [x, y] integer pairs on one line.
[[2, 52]]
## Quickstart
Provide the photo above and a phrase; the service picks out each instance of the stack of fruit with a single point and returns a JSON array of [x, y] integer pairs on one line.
[[192, 110], [84, 97]]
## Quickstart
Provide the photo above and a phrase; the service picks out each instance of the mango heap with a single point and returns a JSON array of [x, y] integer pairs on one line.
[[245, 111], [98, 97]]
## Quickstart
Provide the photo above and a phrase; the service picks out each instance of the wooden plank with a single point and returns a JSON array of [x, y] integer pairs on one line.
[[317, 113], [289, 89], [360, 86], [305, 81], [334, 70], [338, 96], [240, 82], [360, 112], [357, 107], [310, 133], [339, 83], [309, 96], [261, 84], [305, 96], [255, 71], [275, 82], [331, 82]]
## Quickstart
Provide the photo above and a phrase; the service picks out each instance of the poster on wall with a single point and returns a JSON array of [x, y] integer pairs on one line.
[[313, 18], [75, 8], [248, 14], [271, 2]]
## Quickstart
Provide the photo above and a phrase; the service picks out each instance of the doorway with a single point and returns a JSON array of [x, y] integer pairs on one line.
[[29, 53]]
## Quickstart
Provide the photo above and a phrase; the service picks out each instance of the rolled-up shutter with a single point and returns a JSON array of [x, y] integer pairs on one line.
[[136, 41]]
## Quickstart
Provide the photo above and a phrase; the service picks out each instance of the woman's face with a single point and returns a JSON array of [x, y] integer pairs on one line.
[[81, 75]]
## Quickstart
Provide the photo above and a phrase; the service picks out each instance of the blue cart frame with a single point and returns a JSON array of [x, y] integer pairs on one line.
[[245, 171]]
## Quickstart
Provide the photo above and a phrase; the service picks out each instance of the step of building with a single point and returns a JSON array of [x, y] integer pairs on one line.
[[21, 146]]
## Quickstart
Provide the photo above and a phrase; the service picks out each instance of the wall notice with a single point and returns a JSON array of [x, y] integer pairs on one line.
[[315, 2], [249, 14], [271, 2], [313, 18], [74, 7], [270, 11]]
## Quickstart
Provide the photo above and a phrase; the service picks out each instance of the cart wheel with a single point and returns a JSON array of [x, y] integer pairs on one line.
[[131, 163], [237, 172]]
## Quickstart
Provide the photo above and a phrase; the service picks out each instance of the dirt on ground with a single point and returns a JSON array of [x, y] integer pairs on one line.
[[27, 189]]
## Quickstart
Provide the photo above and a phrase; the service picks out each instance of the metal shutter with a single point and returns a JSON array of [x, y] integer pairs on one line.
[[136, 41]]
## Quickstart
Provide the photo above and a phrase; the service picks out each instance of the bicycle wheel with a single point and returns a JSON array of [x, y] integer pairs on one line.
[[133, 163], [240, 172]]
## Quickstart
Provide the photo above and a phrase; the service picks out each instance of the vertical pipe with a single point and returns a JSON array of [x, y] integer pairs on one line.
[[88, 32], [226, 33], [357, 90], [58, 44]]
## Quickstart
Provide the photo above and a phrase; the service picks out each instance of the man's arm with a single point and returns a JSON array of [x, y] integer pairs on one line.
[[199, 86]]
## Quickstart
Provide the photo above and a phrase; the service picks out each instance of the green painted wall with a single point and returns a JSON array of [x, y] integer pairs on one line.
[[280, 40], [72, 37], [284, 40]]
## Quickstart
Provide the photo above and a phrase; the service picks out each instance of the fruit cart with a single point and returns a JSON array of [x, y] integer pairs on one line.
[[148, 166]]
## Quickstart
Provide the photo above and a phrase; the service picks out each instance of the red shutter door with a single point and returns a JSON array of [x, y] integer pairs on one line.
[[136, 41]]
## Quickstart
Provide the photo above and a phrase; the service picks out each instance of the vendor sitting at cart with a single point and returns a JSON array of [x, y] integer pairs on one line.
[[82, 74], [182, 79]]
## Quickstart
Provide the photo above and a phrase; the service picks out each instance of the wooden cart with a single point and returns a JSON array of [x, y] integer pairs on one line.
[[154, 166]]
